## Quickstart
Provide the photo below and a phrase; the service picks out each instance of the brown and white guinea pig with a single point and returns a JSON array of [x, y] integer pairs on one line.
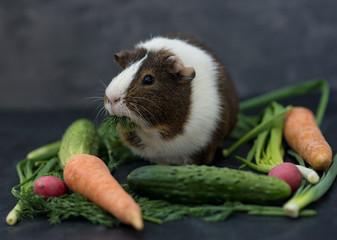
[[180, 97]]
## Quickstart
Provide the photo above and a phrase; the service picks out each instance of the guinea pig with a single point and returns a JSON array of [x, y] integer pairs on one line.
[[179, 96]]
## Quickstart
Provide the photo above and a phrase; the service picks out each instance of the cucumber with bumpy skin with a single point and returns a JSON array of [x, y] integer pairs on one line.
[[80, 137], [206, 184]]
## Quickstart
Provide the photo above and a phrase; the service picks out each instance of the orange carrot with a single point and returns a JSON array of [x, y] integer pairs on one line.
[[304, 136], [89, 176]]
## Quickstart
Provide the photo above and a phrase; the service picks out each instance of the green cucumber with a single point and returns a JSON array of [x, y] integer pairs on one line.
[[206, 184], [80, 137]]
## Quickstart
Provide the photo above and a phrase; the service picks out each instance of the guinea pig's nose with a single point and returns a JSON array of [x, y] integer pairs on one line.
[[113, 100]]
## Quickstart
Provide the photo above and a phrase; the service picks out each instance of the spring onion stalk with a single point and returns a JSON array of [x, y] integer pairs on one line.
[[50, 149], [244, 124], [267, 149], [292, 91], [298, 158], [255, 131], [28, 182], [275, 151], [12, 217], [261, 139], [152, 219], [28, 172], [309, 174], [324, 86], [311, 193], [258, 167]]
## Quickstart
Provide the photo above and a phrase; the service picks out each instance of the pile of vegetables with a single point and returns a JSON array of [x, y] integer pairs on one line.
[[73, 177]]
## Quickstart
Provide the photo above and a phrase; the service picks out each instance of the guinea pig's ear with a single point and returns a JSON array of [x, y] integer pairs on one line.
[[123, 58], [177, 67]]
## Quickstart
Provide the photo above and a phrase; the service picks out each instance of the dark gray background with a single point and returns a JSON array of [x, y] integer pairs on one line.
[[54, 54]]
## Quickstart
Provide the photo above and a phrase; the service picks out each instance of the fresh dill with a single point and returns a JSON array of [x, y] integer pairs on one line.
[[110, 124], [75, 205], [61, 208]]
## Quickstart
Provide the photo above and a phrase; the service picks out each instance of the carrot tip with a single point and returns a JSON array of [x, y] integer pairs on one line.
[[136, 220], [322, 162]]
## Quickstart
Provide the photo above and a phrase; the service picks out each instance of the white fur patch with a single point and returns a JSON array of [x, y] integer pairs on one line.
[[205, 109], [117, 89]]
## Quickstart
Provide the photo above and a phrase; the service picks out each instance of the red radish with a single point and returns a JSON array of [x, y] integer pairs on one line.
[[50, 186], [289, 173]]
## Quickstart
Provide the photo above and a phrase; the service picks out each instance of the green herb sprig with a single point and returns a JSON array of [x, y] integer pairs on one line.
[[38, 163], [116, 152], [75, 205], [110, 125], [58, 209], [309, 193]]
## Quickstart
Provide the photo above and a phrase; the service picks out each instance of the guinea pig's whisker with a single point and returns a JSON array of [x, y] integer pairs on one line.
[[99, 106], [163, 135], [159, 140], [100, 90], [143, 98], [148, 112], [134, 119], [89, 100], [101, 114], [139, 113], [154, 118], [98, 80], [129, 114], [95, 98], [144, 119]]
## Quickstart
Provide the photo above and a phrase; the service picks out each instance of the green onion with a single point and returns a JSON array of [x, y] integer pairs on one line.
[[258, 167], [291, 91], [244, 124], [255, 131], [309, 174], [12, 216], [28, 173], [50, 149], [311, 193]]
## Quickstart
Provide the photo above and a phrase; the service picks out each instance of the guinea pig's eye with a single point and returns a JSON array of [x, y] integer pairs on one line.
[[148, 80]]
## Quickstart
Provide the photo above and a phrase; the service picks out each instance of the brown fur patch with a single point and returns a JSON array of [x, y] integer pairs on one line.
[[165, 105], [127, 57], [131, 138]]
